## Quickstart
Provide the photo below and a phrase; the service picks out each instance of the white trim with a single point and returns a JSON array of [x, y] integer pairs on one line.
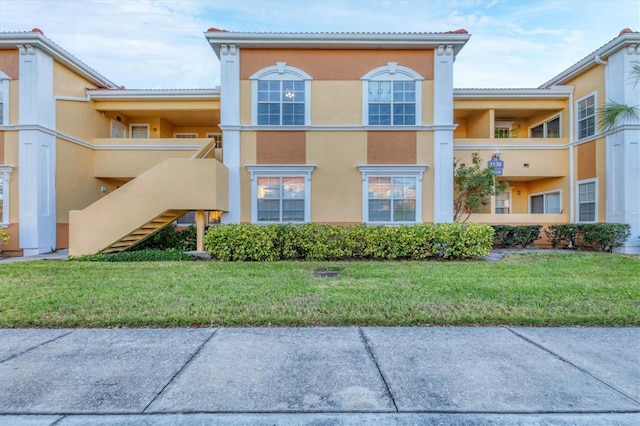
[[544, 204], [5, 174], [280, 72], [577, 198], [280, 170], [595, 134], [554, 92], [131, 125], [392, 72], [385, 170], [153, 94]]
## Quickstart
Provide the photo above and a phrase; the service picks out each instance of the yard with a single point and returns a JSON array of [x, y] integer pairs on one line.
[[535, 289]]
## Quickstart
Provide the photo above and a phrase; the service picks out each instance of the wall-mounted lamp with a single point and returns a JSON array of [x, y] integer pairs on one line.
[[103, 188], [518, 192]]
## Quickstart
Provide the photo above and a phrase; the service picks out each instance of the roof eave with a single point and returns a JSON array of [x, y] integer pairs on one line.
[[40, 41], [142, 94], [555, 92], [337, 41], [589, 61]]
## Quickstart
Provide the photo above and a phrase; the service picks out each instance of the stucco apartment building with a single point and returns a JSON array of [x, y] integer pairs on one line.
[[339, 128]]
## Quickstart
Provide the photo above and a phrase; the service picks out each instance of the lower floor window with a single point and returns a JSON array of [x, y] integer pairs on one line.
[[280, 193], [392, 194], [392, 199], [503, 203], [281, 199], [548, 203], [587, 201], [5, 172]]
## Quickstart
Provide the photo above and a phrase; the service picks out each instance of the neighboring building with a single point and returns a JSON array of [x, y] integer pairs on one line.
[[339, 128]]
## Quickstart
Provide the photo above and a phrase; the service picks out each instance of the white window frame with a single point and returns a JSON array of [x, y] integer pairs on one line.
[[5, 174], [391, 171], [185, 135], [280, 72], [391, 72], [494, 202], [595, 115], [4, 93], [132, 125], [544, 126], [280, 170], [545, 193], [121, 127], [578, 202]]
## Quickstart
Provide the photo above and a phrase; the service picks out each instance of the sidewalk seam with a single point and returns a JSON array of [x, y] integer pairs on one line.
[[375, 362], [180, 370], [64, 416], [37, 346], [563, 359]]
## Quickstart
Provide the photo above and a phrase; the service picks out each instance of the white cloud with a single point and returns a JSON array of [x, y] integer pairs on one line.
[[160, 43]]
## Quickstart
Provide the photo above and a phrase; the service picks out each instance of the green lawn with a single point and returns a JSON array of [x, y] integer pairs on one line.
[[538, 289]]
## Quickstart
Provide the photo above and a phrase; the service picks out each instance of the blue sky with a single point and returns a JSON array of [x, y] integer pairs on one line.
[[160, 44]]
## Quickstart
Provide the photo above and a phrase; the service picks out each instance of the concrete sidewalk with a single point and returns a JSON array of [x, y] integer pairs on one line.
[[320, 376]]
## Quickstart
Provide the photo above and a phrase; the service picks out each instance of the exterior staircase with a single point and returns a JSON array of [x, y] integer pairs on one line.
[[145, 231], [148, 203]]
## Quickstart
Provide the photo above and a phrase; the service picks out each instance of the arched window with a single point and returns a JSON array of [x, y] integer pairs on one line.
[[281, 96], [392, 96]]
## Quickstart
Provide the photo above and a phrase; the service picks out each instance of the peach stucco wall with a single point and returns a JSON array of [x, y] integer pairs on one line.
[[326, 64]]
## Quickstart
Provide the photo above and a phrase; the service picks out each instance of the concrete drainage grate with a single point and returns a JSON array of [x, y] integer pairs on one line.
[[326, 273]]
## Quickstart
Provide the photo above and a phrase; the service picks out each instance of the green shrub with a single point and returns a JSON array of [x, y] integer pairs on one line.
[[326, 242], [4, 238], [147, 255], [170, 238], [596, 236], [507, 236]]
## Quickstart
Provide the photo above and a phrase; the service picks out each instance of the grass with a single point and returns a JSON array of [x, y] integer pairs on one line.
[[536, 289]]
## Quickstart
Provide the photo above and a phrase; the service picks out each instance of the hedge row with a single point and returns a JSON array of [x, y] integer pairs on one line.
[[170, 238], [146, 255], [326, 242], [598, 236], [507, 236]]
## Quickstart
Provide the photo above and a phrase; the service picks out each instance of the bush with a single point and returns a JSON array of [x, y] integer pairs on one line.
[[326, 242], [147, 255], [507, 236], [4, 238], [170, 238], [596, 236]]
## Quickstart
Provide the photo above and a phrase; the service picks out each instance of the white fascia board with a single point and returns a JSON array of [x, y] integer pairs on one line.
[[590, 61], [337, 40], [58, 53], [554, 92], [171, 94]]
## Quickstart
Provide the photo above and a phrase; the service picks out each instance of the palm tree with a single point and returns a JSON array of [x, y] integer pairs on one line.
[[614, 113]]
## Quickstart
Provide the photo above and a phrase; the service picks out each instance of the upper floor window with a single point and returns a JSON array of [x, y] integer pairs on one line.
[[281, 96], [139, 131], [547, 129], [392, 96], [587, 116], [4, 99], [503, 203]]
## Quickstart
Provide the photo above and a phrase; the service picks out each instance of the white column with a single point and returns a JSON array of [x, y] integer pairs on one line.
[[623, 149], [443, 134], [230, 125], [37, 152]]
